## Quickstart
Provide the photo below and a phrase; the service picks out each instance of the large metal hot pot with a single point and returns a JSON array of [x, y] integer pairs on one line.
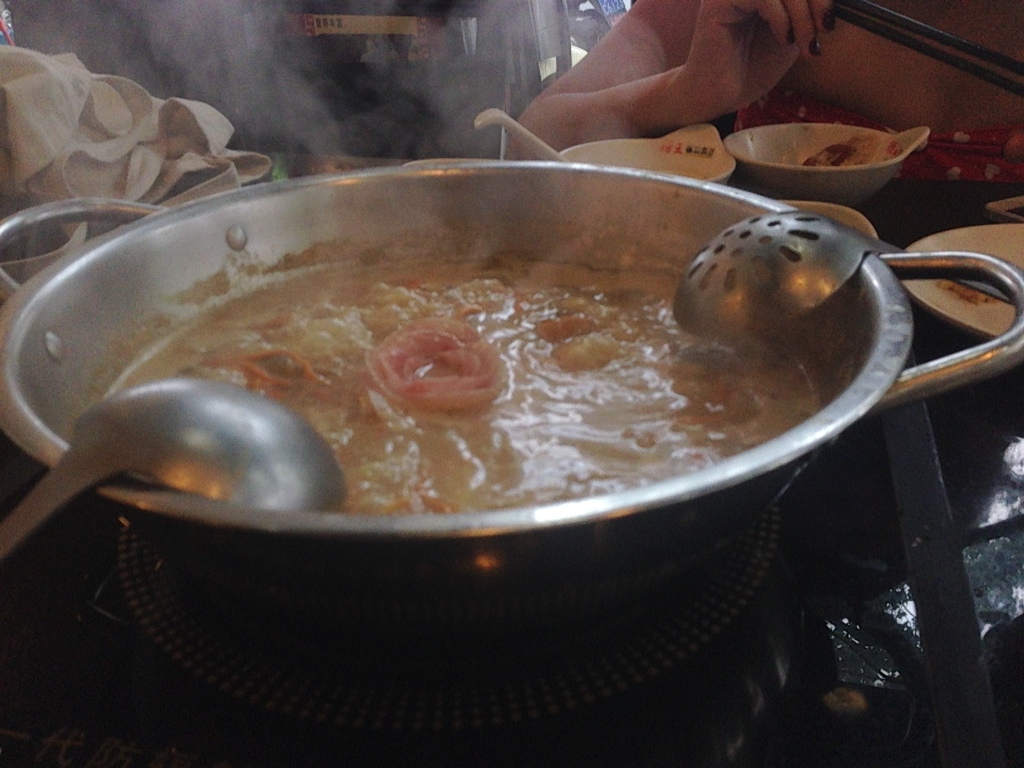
[[63, 330]]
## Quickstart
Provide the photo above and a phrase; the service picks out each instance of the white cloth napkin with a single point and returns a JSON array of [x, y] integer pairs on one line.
[[66, 132]]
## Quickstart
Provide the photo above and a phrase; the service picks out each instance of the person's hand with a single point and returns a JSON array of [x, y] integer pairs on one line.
[[671, 63], [742, 48]]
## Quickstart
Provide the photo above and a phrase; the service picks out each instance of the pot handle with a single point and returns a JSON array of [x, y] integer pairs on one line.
[[976, 363], [24, 223]]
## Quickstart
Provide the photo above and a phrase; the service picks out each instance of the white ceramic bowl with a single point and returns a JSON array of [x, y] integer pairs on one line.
[[771, 160], [695, 151]]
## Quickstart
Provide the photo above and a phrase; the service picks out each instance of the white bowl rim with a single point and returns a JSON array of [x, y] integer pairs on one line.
[[819, 169], [706, 131]]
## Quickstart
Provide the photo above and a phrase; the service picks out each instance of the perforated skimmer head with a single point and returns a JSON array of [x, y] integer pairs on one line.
[[787, 263]]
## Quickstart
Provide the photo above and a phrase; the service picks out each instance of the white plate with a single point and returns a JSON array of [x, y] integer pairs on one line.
[[1010, 209], [965, 308]]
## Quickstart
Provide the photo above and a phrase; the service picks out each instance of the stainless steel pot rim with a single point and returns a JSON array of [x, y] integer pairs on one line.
[[868, 387]]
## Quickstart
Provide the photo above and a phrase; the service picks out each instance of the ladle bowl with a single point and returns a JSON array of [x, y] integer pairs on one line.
[[211, 439], [788, 263]]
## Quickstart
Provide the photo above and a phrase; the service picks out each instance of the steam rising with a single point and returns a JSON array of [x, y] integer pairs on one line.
[[325, 94]]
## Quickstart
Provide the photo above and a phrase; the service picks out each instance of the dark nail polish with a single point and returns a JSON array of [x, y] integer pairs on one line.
[[790, 36], [829, 20], [815, 47]]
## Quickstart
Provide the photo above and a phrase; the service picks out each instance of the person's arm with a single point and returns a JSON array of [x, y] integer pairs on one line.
[[654, 36], [670, 63]]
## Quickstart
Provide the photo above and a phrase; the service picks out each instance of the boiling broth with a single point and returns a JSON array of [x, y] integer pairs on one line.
[[457, 389]]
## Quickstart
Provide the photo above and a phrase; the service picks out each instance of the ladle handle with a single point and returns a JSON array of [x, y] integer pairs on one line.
[[21, 225], [979, 362], [77, 471]]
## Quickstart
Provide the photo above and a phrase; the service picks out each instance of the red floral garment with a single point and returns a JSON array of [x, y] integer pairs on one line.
[[969, 154]]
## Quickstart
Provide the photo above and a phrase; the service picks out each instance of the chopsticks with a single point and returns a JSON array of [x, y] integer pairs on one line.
[[988, 65]]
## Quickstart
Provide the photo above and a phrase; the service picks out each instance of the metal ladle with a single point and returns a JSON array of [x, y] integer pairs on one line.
[[740, 282], [207, 438]]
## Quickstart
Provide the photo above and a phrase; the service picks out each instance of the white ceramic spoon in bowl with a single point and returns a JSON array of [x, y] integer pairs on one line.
[[908, 141], [531, 142], [694, 150], [876, 147], [896, 147]]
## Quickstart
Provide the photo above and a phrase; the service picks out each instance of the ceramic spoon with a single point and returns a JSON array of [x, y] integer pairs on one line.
[[908, 141], [530, 141]]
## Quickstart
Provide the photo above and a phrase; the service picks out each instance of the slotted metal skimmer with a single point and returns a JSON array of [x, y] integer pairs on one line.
[[786, 263]]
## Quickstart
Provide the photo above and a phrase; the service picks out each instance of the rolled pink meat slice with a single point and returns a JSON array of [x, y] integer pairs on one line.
[[437, 364]]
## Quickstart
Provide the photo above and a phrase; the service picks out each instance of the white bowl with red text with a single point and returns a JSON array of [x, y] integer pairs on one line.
[[695, 151]]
